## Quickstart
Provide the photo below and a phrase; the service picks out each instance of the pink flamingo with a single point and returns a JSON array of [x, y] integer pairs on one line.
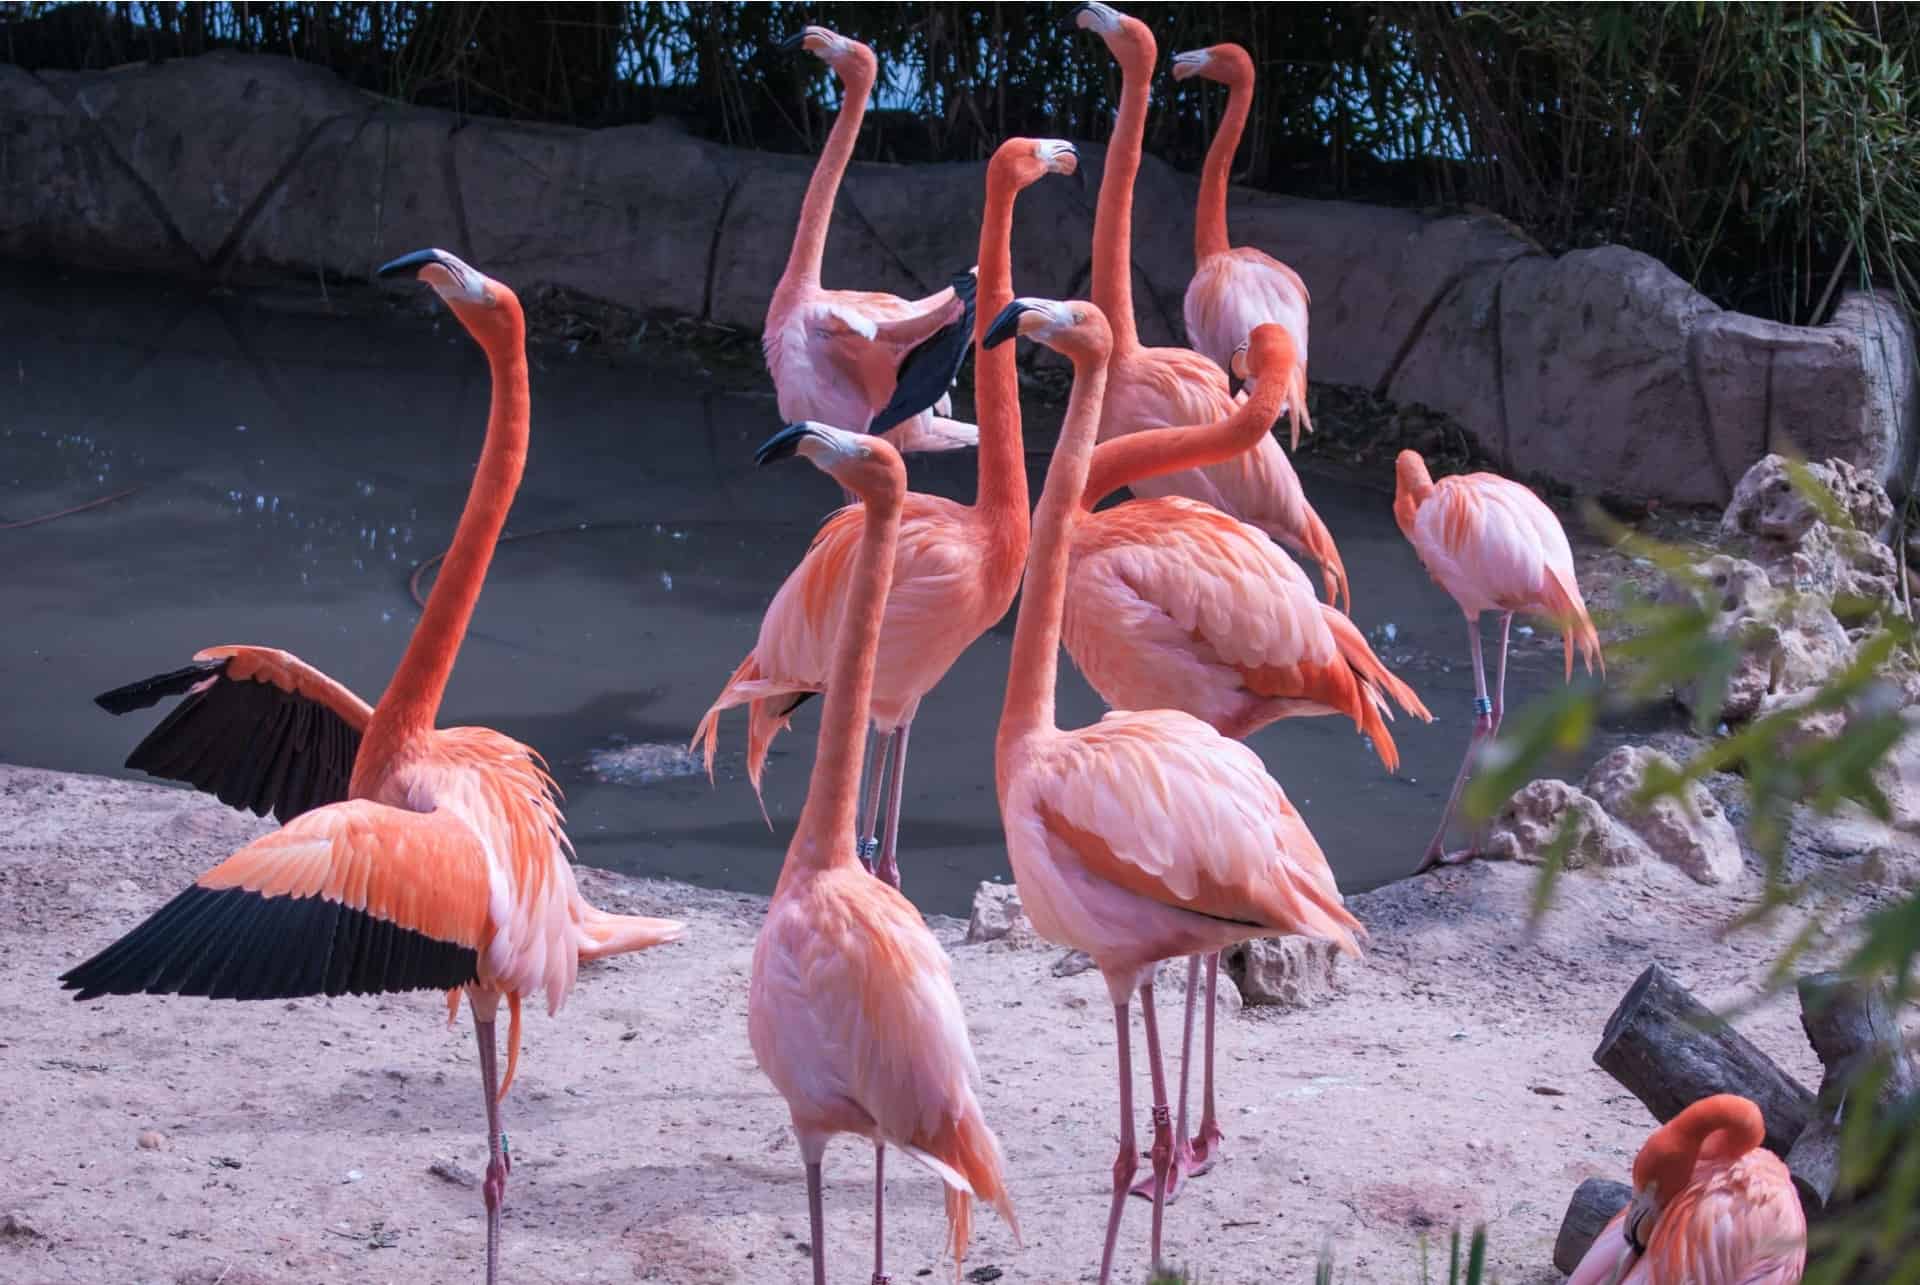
[[1710, 1207], [861, 359], [958, 565], [1234, 290], [440, 862], [1148, 835], [1172, 604], [1156, 387], [852, 1012], [1492, 545]]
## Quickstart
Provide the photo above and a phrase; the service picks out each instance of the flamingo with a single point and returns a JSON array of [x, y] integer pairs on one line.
[[1492, 545], [958, 565], [1155, 387], [1234, 290], [439, 860], [1148, 835], [1710, 1207], [861, 359], [852, 1010], [1172, 604]]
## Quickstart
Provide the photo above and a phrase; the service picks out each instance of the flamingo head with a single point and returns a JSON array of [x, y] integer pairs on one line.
[[487, 308], [1027, 160], [1225, 64], [866, 465], [1266, 353], [1723, 1128], [1127, 38], [830, 47], [1073, 328]]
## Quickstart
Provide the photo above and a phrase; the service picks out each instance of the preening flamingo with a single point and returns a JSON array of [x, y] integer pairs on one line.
[[1234, 290], [852, 1012], [1492, 545], [958, 565], [435, 859], [1710, 1206], [861, 359], [1148, 835], [1158, 387], [1172, 604]]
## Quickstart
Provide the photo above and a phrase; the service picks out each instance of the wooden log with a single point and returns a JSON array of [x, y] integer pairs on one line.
[[1593, 1206], [1853, 1028], [1669, 1051]]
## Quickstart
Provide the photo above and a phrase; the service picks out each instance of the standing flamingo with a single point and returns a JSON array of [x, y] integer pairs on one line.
[[1494, 546], [439, 863], [958, 565], [852, 1012], [1234, 290], [1710, 1207], [1156, 387], [1174, 605], [861, 359], [1148, 835]]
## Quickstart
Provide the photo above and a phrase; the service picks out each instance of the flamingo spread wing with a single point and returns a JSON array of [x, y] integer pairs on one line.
[[929, 369], [259, 729]]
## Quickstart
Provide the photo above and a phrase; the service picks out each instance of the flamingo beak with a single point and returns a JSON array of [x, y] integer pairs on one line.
[[451, 279], [782, 445], [1007, 324], [793, 44], [1189, 64], [411, 262]]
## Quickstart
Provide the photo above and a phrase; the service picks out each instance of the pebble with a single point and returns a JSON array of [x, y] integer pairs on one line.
[[151, 1140], [15, 1226], [454, 1172], [353, 1175]]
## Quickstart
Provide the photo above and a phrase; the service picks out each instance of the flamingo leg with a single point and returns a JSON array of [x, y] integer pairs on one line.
[[817, 1222], [1182, 1153], [1204, 1150], [888, 865], [1493, 725], [1129, 1157], [1482, 729], [879, 754], [494, 1187], [1162, 1153], [880, 1276]]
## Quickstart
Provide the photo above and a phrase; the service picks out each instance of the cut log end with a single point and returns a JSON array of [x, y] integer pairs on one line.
[[1593, 1206]]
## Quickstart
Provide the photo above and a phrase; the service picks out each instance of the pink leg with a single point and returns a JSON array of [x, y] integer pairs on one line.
[[816, 1219], [494, 1187], [1436, 853], [880, 1276], [888, 867], [1182, 1153], [1206, 1146], [1129, 1158], [1493, 727], [1162, 1119], [879, 752]]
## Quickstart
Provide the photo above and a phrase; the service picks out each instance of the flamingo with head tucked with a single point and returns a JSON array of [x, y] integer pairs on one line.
[[1234, 288], [1148, 835], [956, 572], [1159, 387], [861, 359], [437, 860], [852, 1010], [1711, 1206], [1492, 545], [1172, 604]]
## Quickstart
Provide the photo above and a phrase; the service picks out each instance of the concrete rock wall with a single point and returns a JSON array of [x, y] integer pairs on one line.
[[1599, 368]]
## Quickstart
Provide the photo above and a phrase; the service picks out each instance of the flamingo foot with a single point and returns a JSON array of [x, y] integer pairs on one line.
[[1437, 857], [494, 1190], [1206, 1149], [1184, 1167]]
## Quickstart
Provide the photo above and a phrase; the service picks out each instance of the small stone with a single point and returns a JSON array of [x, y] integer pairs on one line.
[[997, 914], [150, 1140], [454, 1172], [1072, 964], [1529, 824], [1690, 832], [1294, 972], [353, 1175], [14, 1226], [981, 1275], [627, 1036]]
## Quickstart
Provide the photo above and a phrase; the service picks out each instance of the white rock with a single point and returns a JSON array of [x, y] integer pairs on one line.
[[997, 914], [1689, 831], [1294, 972], [1528, 824]]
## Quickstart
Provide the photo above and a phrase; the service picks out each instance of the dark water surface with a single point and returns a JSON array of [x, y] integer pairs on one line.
[[298, 458]]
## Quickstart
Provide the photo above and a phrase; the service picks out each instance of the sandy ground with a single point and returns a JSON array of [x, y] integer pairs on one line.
[[1448, 1082]]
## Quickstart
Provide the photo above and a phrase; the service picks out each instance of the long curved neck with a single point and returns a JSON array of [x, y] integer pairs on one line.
[[412, 700], [816, 212], [1123, 461], [1034, 669], [1210, 220], [996, 382], [825, 835], [1113, 217]]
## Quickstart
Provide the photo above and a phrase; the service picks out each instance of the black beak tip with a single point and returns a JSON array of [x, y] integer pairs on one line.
[[1005, 326], [407, 263], [793, 44], [782, 445]]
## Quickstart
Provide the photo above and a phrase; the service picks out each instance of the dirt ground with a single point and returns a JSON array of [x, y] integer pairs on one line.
[[188, 1141]]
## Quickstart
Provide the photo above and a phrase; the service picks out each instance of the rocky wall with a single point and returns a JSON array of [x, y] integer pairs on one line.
[[1599, 368]]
